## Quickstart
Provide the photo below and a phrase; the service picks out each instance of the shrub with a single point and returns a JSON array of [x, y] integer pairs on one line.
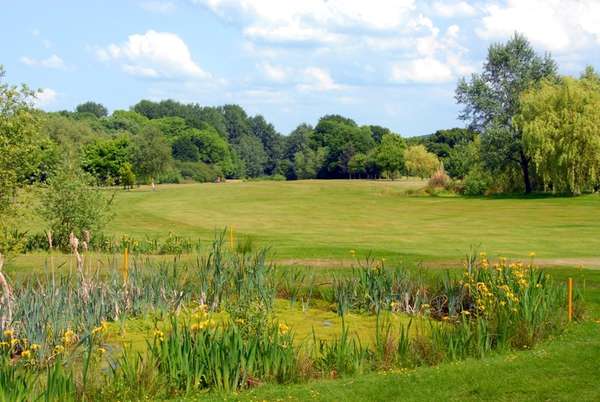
[[71, 204], [439, 180], [197, 171], [476, 183], [170, 175]]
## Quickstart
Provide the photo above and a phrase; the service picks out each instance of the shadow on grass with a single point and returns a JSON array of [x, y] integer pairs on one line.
[[525, 196]]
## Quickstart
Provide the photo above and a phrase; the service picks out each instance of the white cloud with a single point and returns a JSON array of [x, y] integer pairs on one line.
[[557, 25], [424, 70], [451, 10], [155, 55], [439, 59], [45, 97], [317, 79], [159, 7], [312, 20], [54, 62], [274, 73], [333, 30]]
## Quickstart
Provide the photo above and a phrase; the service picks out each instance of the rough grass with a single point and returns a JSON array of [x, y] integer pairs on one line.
[[561, 369], [564, 369]]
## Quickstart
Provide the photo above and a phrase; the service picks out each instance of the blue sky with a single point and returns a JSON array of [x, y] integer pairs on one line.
[[389, 62]]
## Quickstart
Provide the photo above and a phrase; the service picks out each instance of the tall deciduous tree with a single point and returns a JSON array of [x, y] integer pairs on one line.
[[491, 100], [253, 155], [20, 139], [151, 153], [97, 109], [271, 141], [561, 131], [342, 139], [103, 158], [389, 155]]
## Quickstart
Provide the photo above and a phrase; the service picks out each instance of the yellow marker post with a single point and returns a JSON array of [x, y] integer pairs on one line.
[[126, 265], [570, 296]]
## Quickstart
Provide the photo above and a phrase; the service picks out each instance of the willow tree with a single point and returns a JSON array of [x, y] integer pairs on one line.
[[561, 131], [419, 162]]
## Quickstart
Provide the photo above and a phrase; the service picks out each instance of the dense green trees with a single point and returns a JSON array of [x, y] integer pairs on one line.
[[389, 155], [253, 156], [96, 109], [491, 100], [271, 141], [103, 158], [22, 145], [342, 138], [26, 156], [560, 122], [151, 154]]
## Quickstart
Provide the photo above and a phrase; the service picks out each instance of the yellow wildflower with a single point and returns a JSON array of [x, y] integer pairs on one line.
[[159, 335], [8, 333], [199, 325], [26, 354], [69, 337], [59, 349], [283, 329], [35, 346]]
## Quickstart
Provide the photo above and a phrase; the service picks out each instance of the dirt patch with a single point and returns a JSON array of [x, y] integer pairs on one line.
[[584, 262], [316, 262]]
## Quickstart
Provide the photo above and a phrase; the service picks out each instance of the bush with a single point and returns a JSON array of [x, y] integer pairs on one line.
[[275, 177], [439, 180], [71, 205], [197, 171], [476, 183], [171, 175]]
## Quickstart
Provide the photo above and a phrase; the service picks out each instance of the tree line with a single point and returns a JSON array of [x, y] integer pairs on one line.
[[169, 141]]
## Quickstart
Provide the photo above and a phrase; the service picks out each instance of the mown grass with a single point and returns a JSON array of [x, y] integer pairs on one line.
[[316, 223], [325, 219]]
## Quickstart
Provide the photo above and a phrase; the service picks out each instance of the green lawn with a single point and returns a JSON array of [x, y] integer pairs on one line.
[[325, 219]]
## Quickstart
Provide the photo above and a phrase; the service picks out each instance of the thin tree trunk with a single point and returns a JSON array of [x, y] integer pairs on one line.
[[525, 168], [6, 299]]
